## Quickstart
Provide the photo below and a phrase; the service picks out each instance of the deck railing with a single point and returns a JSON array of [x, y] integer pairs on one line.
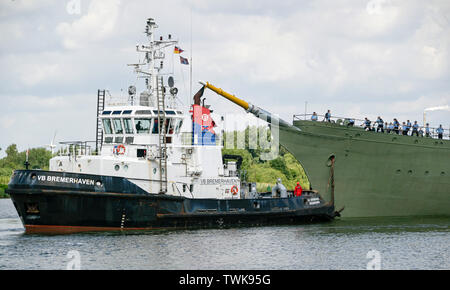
[[344, 121], [77, 148]]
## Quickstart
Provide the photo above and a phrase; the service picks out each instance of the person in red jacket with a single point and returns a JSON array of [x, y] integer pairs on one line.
[[298, 190]]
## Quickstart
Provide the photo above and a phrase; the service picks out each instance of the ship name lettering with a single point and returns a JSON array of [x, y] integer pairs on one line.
[[221, 181], [61, 179]]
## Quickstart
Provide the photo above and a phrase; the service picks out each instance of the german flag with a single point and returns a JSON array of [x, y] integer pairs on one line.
[[177, 50]]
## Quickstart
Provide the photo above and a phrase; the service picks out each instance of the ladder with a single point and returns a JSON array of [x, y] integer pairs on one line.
[[160, 99], [99, 134]]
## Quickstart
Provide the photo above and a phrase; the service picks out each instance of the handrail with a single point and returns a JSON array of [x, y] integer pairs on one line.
[[334, 119], [77, 148]]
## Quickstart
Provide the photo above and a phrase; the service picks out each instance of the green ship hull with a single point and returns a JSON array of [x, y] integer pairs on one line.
[[376, 174]]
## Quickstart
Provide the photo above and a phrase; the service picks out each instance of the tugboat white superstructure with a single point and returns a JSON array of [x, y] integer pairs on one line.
[[152, 142], [154, 165]]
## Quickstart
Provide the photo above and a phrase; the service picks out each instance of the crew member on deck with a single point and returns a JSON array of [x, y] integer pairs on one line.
[[380, 126], [351, 122], [408, 127], [390, 128], [298, 190], [427, 131], [404, 129], [327, 117], [396, 126], [314, 116], [415, 129], [440, 131], [366, 124]]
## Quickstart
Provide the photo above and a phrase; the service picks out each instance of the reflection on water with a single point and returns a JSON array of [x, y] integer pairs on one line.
[[403, 243]]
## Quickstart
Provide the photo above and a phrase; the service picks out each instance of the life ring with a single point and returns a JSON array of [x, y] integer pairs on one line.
[[120, 149], [234, 190]]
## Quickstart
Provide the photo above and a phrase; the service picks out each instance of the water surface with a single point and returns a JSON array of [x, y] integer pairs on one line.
[[401, 243]]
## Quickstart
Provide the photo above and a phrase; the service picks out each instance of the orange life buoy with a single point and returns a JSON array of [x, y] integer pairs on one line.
[[234, 190], [120, 149]]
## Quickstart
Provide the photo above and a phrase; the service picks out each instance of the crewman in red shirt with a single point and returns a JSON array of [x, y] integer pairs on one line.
[[298, 190]]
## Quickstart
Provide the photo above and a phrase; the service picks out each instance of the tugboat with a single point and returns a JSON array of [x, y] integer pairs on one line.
[[153, 166]]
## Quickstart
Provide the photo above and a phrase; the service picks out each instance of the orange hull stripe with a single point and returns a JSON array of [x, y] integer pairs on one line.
[[75, 229]]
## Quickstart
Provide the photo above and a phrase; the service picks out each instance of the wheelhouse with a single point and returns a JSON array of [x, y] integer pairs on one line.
[[128, 125]]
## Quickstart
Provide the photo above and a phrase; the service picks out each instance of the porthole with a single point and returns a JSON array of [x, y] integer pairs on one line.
[[125, 167], [116, 167], [154, 170]]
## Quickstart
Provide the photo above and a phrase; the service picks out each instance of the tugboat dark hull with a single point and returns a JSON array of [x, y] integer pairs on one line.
[[57, 202]]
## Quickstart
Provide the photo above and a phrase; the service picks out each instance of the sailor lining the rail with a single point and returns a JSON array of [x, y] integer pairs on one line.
[[427, 130], [415, 129], [366, 124], [380, 123], [440, 131], [327, 117]]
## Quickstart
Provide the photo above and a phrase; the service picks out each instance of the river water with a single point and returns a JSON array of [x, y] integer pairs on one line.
[[380, 243]]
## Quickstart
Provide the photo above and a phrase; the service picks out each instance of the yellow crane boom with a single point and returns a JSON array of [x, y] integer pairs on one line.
[[230, 97], [255, 110]]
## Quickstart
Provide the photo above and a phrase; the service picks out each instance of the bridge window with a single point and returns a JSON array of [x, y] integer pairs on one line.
[[166, 125], [144, 112], [128, 126], [170, 126], [155, 129], [107, 126], [142, 126], [117, 126], [178, 126]]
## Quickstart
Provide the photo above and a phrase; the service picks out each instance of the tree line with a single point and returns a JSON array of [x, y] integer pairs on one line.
[[14, 160]]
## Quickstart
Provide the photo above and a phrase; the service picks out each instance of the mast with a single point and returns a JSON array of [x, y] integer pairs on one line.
[[150, 70], [153, 60]]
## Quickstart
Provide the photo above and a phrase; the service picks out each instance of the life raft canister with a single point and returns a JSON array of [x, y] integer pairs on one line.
[[234, 190], [120, 149]]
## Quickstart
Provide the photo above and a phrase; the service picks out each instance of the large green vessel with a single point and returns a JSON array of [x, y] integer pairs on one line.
[[376, 174]]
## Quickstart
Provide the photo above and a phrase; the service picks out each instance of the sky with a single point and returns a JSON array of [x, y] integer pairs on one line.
[[358, 58]]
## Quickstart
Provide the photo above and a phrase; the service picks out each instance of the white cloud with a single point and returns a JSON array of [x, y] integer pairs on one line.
[[8, 7], [98, 24], [357, 58]]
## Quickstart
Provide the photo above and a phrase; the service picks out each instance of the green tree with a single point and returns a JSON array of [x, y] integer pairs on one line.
[[265, 173], [37, 157]]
